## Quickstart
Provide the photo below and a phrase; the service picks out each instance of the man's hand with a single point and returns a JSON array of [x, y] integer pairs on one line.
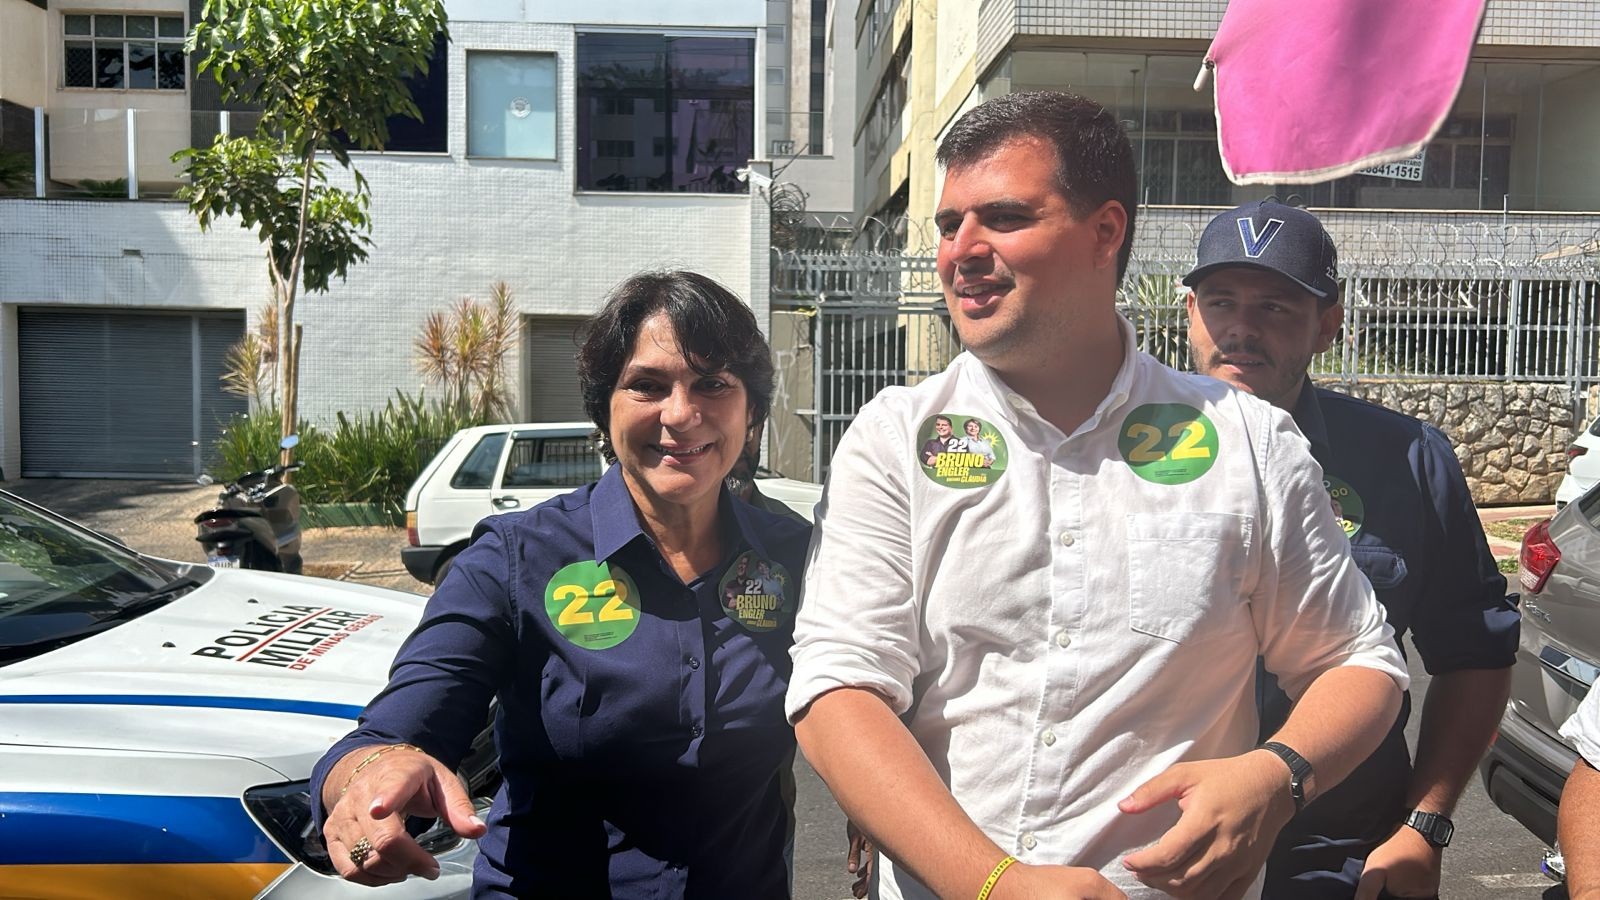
[[1405, 865], [1232, 809], [859, 859]]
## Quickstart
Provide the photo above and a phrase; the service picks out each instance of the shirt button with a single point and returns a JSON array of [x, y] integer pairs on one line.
[[1049, 738], [1066, 539], [1029, 841], [694, 662], [1062, 638], [697, 730]]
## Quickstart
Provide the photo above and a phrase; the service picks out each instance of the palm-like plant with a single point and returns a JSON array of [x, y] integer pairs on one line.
[[464, 349]]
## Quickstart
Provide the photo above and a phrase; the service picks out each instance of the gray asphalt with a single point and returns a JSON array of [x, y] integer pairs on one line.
[[1492, 858]]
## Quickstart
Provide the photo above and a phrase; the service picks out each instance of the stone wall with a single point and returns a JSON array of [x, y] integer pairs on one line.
[[1511, 438]]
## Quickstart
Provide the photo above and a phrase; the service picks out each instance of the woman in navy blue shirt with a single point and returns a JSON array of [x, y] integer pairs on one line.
[[640, 681]]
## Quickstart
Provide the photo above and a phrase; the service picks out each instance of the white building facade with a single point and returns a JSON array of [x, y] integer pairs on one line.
[[558, 155]]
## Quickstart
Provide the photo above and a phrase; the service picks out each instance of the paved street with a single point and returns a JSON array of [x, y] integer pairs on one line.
[[1493, 858]]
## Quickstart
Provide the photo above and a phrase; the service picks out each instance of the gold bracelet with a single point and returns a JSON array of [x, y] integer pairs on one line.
[[994, 876], [372, 757]]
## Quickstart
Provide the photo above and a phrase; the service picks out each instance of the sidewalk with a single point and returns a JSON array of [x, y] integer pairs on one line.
[[1499, 546], [157, 518]]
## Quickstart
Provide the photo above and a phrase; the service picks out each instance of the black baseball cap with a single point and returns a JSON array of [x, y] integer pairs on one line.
[[1268, 235]]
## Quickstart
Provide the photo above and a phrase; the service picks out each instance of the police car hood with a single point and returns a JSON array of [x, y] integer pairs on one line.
[[273, 668]]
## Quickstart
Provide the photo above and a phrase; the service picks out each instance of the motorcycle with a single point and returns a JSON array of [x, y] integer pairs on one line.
[[256, 524]]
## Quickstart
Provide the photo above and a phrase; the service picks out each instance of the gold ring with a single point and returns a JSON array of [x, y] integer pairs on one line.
[[360, 851]]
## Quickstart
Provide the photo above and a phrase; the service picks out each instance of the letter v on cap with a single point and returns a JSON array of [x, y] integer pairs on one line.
[[1256, 244]]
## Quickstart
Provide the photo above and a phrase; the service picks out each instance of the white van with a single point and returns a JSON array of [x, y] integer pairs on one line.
[[493, 469]]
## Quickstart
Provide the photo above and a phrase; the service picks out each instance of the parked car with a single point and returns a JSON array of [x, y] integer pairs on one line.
[[1583, 465], [1557, 662], [493, 469], [159, 720]]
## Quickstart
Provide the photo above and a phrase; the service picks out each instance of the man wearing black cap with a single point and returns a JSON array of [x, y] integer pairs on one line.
[[1264, 300]]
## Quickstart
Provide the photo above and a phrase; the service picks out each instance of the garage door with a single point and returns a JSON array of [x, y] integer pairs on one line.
[[121, 394], [550, 387]]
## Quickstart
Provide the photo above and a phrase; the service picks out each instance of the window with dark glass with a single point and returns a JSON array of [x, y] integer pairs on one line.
[[702, 106], [123, 52], [431, 93]]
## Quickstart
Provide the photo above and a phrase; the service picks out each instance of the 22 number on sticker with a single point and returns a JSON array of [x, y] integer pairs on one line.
[[576, 612], [1190, 434]]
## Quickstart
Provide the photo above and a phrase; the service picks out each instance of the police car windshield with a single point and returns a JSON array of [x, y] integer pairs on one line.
[[59, 582]]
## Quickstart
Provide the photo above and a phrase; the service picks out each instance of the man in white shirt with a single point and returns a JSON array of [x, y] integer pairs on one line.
[[1578, 823], [1012, 677]]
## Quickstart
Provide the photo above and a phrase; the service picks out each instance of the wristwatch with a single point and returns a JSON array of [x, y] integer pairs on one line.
[[1436, 828], [1299, 771]]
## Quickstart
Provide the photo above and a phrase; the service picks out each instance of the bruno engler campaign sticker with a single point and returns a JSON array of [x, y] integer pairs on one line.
[[756, 592], [1347, 505], [593, 604], [961, 451], [1168, 443]]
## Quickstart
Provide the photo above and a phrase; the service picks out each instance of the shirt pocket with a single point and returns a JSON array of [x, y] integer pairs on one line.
[[1384, 567], [1184, 573]]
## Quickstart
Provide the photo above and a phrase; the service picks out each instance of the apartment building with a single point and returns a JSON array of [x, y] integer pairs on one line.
[[564, 146], [1519, 140]]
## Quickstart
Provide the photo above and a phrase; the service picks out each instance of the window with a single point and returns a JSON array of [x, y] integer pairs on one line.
[[550, 462], [511, 105], [118, 52], [702, 106], [431, 93], [477, 471]]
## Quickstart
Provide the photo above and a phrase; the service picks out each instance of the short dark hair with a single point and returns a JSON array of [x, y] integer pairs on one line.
[[1094, 161], [715, 329]]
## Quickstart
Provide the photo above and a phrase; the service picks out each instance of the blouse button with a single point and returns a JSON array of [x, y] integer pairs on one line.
[[1066, 539], [1029, 841], [1062, 638], [697, 730], [694, 662], [1049, 738]]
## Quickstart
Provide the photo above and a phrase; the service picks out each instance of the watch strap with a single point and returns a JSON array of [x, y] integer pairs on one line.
[[1435, 828], [1299, 771]]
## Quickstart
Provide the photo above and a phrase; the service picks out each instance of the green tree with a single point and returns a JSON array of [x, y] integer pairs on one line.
[[327, 75]]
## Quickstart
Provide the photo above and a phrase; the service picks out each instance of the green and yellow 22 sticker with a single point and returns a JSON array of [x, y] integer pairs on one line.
[[1348, 507], [594, 605], [1168, 443], [756, 592], [961, 451]]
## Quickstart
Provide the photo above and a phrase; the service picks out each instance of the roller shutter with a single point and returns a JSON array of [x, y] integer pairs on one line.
[[550, 385], [121, 394]]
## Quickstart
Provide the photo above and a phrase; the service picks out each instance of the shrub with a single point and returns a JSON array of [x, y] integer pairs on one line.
[[368, 457]]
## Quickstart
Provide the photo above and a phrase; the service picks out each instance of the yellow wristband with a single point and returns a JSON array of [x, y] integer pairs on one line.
[[994, 876], [371, 758]]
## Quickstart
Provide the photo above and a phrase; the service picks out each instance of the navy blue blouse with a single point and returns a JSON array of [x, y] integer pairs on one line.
[[640, 724]]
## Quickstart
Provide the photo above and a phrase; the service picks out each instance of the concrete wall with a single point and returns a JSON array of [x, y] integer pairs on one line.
[[1511, 439], [24, 33]]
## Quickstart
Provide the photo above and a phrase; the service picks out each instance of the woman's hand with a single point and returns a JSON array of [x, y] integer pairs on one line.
[[365, 829]]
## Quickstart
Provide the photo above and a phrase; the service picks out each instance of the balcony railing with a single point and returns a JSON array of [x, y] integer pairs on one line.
[[98, 153]]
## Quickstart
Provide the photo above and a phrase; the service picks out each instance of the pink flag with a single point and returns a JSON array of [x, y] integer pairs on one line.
[[1312, 91]]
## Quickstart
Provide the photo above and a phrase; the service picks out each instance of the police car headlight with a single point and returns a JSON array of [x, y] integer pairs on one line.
[[284, 812]]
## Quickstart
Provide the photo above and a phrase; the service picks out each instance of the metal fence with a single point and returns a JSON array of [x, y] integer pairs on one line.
[[1432, 302]]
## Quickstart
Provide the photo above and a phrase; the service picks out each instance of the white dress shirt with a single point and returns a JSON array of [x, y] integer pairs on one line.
[[1582, 728], [1069, 629]]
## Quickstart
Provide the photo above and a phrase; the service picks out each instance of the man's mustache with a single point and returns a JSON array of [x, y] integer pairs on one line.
[[1249, 348]]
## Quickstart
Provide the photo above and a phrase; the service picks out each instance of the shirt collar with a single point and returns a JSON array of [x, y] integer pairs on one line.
[[615, 519], [1013, 405], [1307, 414], [613, 516]]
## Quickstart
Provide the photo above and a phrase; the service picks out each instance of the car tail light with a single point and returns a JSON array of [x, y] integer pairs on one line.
[[411, 528], [1576, 450], [1538, 557]]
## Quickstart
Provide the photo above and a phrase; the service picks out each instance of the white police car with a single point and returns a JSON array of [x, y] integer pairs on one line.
[[159, 721]]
